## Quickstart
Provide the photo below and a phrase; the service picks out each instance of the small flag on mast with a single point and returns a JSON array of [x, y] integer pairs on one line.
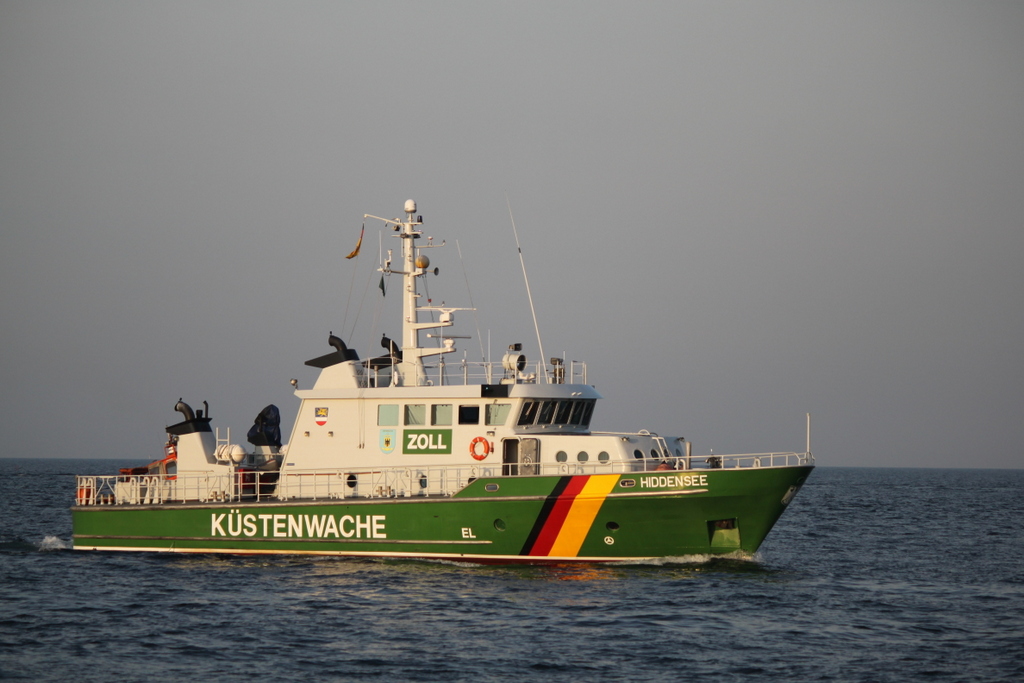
[[381, 285], [355, 252]]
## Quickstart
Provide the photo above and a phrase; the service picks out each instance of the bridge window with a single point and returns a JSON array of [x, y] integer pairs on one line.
[[588, 411], [469, 415], [497, 413], [547, 412], [529, 413], [441, 414], [416, 414], [564, 409], [387, 415]]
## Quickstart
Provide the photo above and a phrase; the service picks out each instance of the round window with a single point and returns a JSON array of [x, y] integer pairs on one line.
[[561, 456], [603, 456], [583, 456], [638, 454]]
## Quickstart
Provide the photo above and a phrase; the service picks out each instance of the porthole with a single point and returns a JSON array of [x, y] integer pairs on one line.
[[603, 456], [612, 526], [655, 453], [351, 481], [583, 456], [638, 454], [490, 487], [499, 524], [561, 456]]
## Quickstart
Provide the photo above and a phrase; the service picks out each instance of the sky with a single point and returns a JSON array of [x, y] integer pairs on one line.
[[735, 212]]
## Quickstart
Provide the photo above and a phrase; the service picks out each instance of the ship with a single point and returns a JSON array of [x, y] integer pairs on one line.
[[405, 455]]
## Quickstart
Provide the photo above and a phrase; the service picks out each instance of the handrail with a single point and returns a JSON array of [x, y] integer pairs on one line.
[[379, 482], [467, 372]]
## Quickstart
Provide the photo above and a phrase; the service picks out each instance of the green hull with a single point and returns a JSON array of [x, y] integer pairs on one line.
[[541, 519]]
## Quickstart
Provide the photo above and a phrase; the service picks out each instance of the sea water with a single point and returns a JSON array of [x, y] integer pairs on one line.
[[871, 575]]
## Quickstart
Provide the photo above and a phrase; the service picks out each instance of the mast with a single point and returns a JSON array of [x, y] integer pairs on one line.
[[409, 235], [410, 370]]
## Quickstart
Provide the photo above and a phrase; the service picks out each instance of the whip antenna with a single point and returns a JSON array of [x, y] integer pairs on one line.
[[476, 319], [543, 363]]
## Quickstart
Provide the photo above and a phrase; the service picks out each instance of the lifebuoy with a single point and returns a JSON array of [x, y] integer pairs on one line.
[[486, 450], [84, 495]]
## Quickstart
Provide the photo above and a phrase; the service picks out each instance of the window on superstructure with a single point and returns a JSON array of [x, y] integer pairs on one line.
[[547, 412], [497, 413], [578, 408], [469, 415], [387, 415], [529, 413], [441, 414], [564, 410], [416, 414], [588, 411]]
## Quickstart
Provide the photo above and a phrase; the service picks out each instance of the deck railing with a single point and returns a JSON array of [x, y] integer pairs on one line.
[[379, 482], [480, 372]]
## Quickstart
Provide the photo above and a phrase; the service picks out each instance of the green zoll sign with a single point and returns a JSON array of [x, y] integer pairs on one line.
[[427, 441]]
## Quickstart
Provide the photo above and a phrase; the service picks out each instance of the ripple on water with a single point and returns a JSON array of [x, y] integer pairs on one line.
[[869, 576]]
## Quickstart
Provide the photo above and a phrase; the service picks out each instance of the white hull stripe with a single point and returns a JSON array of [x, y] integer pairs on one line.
[[356, 553], [276, 540]]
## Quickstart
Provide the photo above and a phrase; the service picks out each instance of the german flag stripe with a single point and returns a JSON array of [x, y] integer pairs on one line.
[[559, 511], [545, 511], [581, 515], [568, 515]]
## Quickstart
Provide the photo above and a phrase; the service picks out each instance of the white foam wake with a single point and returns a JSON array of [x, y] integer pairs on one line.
[[52, 543]]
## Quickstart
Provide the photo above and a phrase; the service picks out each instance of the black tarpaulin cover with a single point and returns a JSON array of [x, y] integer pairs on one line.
[[266, 430]]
